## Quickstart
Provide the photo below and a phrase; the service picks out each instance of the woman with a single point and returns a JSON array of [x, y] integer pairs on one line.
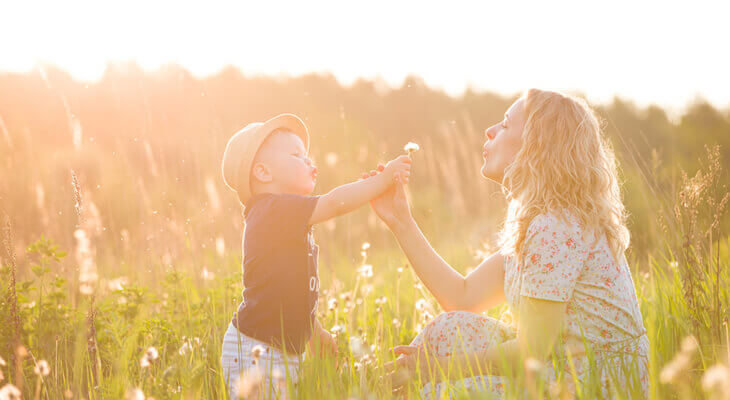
[[561, 267]]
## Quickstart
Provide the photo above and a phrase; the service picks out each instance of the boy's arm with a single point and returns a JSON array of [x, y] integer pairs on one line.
[[349, 197]]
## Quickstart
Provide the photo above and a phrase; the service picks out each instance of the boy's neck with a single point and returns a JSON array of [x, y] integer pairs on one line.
[[271, 189]]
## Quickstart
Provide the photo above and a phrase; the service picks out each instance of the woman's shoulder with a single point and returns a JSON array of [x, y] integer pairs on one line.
[[554, 221]]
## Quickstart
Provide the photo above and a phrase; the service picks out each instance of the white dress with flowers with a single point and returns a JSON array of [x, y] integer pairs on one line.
[[562, 263]]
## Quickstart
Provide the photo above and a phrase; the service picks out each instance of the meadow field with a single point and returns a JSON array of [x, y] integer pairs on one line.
[[121, 246]]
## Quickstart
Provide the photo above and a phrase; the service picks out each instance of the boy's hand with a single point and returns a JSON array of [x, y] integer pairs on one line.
[[400, 166], [323, 343]]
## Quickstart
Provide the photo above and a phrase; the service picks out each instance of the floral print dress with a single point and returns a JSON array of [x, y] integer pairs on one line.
[[603, 324]]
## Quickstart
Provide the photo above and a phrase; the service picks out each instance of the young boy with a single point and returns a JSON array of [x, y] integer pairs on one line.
[[266, 164]]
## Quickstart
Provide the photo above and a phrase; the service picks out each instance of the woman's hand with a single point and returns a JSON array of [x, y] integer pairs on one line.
[[392, 206], [413, 363]]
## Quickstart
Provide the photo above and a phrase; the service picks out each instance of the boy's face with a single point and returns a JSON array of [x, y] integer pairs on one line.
[[282, 162]]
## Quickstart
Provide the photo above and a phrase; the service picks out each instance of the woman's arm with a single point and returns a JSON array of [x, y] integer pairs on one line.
[[480, 290]]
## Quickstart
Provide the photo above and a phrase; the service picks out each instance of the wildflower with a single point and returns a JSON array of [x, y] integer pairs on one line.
[[396, 323], [257, 351], [681, 362], [365, 246], [357, 346], [410, 147], [421, 305], [117, 283], [338, 329], [134, 394], [332, 304], [366, 271], [10, 392], [689, 345], [716, 381], [533, 365], [2, 362], [185, 348], [250, 383], [42, 368], [381, 300], [152, 353]]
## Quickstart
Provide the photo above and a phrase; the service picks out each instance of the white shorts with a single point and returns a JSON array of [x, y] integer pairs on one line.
[[271, 371]]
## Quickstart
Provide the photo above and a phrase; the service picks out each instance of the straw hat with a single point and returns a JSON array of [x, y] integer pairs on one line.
[[243, 145]]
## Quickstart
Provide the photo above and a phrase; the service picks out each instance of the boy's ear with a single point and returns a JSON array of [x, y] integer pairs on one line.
[[260, 172]]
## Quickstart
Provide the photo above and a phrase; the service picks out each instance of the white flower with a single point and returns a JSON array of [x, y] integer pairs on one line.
[[42, 368], [421, 304], [152, 353], [357, 346], [365, 246], [185, 348], [717, 380], [338, 329], [10, 392], [410, 147], [533, 365], [2, 362], [134, 394], [366, 271], [250, 383], [332, 304], [257, 351]]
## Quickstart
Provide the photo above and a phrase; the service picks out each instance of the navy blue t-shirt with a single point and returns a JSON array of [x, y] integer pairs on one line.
[[280, 278]]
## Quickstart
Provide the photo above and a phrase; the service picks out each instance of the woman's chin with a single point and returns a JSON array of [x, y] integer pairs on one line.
[[485, 171]]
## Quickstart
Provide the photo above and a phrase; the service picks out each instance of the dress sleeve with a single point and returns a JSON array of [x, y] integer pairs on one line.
[[553, 259]]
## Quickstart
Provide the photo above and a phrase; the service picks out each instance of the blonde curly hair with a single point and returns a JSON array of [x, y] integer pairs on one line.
[[565, 166]]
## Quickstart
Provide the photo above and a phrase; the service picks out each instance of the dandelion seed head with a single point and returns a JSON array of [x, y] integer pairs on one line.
[[257, 351], [134, 394], [10, 392], [533, 365], [716, 380], [250, 383], [41, 368], [366, 271], [410, 147], [152, 353]]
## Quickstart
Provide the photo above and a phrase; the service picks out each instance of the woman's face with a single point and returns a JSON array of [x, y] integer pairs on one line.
[[504, 140]]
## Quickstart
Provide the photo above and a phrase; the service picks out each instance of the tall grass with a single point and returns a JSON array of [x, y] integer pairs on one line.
[[152, 277]]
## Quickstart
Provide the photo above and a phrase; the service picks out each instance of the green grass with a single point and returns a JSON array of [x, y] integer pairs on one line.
[[160, 314]]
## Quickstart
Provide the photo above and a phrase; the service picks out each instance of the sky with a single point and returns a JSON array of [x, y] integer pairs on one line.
[[650, 52]]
